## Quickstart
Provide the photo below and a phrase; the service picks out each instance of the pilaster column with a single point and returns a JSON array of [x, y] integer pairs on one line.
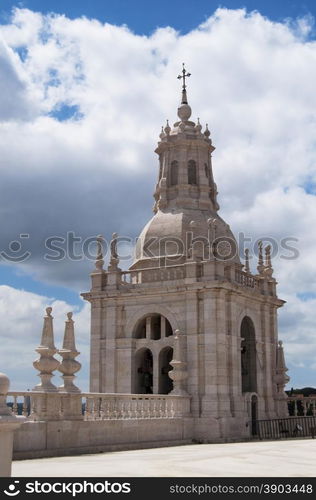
[[95, 346], [163, 327], [210, 399], [222, 355], [148, 327], [179, 373], [109, 382]]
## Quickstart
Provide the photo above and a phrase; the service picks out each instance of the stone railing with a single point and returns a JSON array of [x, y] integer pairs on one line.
[[246, 279], [301, 406], [20, 402], [149, 275], [134, 406], [98, 406]]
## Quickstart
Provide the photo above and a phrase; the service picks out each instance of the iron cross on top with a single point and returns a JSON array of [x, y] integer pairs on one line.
[[183, 76]]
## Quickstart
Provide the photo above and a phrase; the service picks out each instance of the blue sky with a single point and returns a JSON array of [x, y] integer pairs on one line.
[[77, 151], [143, 16]]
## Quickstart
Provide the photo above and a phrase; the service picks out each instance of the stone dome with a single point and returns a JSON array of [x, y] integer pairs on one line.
[[169, 234]]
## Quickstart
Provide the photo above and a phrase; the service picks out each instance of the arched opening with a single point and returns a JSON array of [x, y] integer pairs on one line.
[[153, 327], [155, 333], [168, 329], [174, 173], [143, 372], [140, 330], [248, 356], [165, 383], [192, 177]]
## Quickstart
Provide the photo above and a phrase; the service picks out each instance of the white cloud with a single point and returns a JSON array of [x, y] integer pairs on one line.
[[252, 81]]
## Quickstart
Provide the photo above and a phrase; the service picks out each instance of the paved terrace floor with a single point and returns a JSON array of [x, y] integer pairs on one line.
[[266, 459]]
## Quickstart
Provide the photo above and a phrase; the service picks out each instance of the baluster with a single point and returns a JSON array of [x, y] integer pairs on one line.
[[151, 403], [150, 408], [139, 408], [88, 412], [134, 408], [115, 409], [109, 408], [145, 408], [154, 408], [118, 406], [129, 409], [123, 408], [15, 405], [295, 408], [94, 409], [25, 412], [172, 409], [161, 408], [32, 408], [102, 409], [142, 408], [168, 403]]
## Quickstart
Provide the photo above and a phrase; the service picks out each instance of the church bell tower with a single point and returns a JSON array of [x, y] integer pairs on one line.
[[187, 281]]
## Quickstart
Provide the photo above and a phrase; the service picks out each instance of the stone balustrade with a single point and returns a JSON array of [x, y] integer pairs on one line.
[[135, 406], [98, 406], [170, 273], [149, 275], [246, 279], [302, 406]]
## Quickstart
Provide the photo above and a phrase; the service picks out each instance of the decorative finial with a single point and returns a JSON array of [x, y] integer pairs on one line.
[[69, 366], [46, 363], [247, 267], [268, 267], [162, 134], [167, 128], [99, 262], [207, 133], [114, 260], [260, 266], [198, 126]]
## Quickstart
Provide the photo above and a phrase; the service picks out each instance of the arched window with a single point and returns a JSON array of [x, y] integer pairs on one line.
[[165, 383], [248, 356], [143, 372], [174, 173], [192, 178], [153, 327]]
